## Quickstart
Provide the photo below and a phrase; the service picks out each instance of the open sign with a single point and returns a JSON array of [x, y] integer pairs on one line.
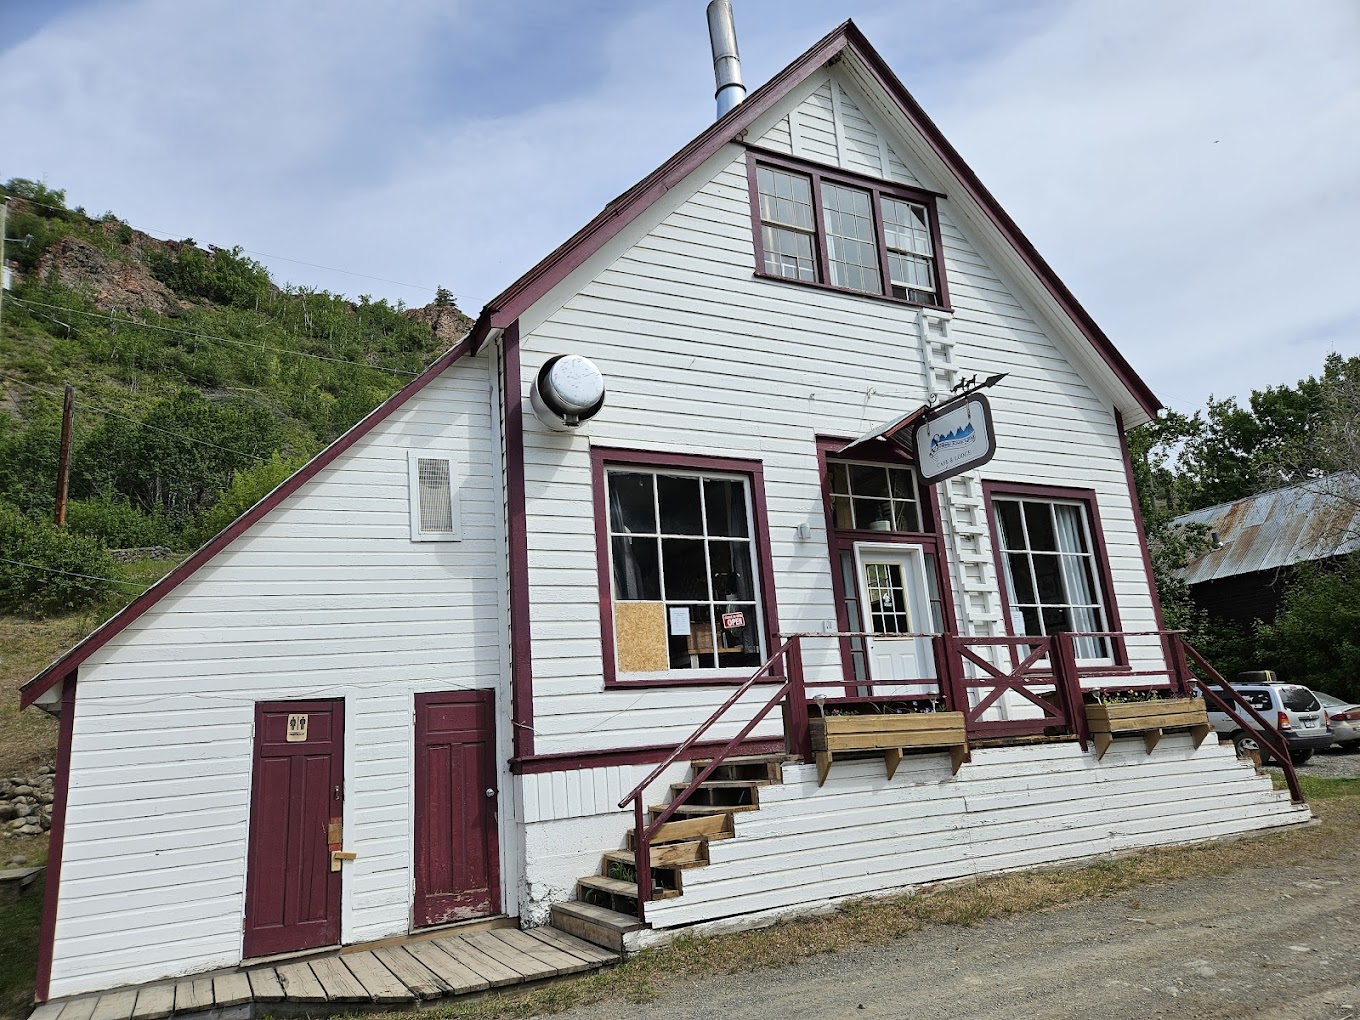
[[731, 621]]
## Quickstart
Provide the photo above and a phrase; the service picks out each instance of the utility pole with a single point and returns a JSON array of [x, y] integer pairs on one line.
[[4, 215], [68, 408]]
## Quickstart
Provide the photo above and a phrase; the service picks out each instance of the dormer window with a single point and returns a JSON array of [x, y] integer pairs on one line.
[[846, 233]]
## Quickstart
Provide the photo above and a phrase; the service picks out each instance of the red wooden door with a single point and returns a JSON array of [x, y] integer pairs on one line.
[[457, 848], [292, 895]]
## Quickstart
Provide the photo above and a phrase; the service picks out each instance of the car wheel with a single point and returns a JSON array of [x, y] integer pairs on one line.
[[1299, 757], [1247, 744], [1350, 745]]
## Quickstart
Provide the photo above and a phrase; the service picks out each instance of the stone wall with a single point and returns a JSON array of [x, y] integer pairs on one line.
[[26, 804]]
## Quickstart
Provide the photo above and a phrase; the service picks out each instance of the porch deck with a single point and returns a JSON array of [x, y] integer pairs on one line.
[[415, 972]]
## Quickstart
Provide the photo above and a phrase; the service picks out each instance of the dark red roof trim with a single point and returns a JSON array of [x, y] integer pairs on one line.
[[56, 846], [533, 285], [68, 663]]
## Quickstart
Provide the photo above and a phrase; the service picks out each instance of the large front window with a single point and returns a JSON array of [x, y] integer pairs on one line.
[[1052, 577], [683, 571]]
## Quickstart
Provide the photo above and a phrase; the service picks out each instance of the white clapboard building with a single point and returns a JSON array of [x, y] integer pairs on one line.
[[736, 447]]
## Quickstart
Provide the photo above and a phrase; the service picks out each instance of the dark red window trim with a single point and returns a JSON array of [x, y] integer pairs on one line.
[[1019, 490], [602, 457], [756, 156], [839, 540]]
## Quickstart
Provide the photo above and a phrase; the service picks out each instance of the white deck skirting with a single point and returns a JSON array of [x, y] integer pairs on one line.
[[1009, 808]]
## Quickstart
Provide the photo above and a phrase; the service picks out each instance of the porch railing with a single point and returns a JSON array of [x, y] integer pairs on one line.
[[1044, 672], [796, 741]]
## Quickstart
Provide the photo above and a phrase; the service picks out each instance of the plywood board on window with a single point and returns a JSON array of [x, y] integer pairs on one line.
[[640, 633]]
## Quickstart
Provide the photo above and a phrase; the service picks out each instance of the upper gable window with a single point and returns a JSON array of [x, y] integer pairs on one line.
[[834, 229]]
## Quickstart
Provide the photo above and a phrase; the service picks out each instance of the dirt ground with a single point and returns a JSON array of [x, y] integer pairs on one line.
[[1278, 942]]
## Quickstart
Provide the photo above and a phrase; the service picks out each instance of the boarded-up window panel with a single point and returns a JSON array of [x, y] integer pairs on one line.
[[640, 634]]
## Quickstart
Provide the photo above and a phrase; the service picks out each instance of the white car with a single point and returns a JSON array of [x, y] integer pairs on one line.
[[1345, 719]]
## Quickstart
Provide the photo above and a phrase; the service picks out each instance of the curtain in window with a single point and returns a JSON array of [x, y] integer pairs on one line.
[[1080, 597]]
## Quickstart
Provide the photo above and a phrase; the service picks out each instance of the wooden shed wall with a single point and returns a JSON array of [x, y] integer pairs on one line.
[[327, 597]]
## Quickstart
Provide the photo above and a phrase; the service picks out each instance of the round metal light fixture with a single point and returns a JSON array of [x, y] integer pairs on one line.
[[569, 390]]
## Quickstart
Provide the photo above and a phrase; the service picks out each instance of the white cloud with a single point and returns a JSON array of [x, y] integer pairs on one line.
[[1188, 168]]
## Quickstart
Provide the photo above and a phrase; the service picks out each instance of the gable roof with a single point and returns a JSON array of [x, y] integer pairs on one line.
[[521, 295], [96, 639]]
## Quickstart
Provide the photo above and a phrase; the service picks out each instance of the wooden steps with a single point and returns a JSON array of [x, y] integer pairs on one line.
[[394, 973], [605, 908], [690, 854], [593, 924]]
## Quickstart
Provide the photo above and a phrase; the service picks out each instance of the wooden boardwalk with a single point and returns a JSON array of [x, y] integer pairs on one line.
[[387, 977]]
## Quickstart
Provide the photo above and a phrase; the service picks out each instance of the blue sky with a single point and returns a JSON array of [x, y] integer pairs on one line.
[[1190, 169]]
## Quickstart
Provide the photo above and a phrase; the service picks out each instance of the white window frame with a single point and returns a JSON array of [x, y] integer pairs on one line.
[[413, 459]]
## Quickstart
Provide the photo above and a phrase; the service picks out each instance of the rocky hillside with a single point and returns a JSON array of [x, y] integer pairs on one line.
[[200, 382]]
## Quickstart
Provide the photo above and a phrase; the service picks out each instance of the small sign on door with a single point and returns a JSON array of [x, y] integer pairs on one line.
[[297, 728], [731, 621]]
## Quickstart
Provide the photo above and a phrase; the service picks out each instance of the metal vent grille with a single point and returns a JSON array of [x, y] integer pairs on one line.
[[436, 497]]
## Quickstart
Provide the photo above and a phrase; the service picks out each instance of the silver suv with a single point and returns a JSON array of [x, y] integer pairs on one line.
[[1289, 708]]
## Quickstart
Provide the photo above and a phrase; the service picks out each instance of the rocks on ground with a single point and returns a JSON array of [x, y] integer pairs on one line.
[[26, 804]]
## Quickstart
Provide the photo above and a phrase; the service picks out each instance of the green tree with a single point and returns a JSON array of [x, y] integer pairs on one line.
[[1315, 639]]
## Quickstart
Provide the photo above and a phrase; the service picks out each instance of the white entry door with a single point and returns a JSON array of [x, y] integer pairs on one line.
[[893, 595]]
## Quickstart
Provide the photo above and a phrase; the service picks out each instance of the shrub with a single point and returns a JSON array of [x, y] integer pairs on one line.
[[247, 488], [36, 591], [114, 521], [223, 276]]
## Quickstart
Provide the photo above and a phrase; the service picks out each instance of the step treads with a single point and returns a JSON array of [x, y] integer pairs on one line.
[[689, 854], [689, 810], [725, 784], [612, 919], [709, 826], [618, 887]]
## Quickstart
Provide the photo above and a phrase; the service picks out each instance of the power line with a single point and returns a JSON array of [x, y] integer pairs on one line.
[[210, 337], [172, 235], [136, 421], [72, 573]]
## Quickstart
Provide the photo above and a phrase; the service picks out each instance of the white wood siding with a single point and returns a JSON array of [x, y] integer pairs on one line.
[[571, 819], [1009, 808], [829, 126], [327, 597], [701, 357]]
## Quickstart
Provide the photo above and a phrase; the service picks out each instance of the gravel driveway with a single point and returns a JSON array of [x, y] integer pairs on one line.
[[1278, 942], [1333, 763]]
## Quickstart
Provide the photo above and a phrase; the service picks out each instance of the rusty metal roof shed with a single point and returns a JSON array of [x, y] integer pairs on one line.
[[1313, 520]]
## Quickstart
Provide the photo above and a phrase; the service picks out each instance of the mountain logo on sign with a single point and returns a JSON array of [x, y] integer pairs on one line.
[[953, 440]]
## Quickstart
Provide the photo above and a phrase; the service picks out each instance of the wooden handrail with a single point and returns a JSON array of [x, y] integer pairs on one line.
[[642, 839], [1275, 742]]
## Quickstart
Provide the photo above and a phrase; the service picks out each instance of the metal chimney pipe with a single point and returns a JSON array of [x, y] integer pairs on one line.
[[722, 30]]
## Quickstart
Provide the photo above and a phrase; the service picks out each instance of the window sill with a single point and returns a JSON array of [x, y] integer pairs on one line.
[[847, 292], [709, 680]]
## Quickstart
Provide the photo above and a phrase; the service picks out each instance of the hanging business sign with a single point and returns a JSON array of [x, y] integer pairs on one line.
[[955, 439]]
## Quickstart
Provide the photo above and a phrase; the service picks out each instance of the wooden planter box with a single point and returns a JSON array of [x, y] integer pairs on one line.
[[890, 734], [1149, 718]]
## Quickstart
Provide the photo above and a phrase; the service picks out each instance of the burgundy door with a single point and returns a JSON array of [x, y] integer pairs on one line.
[[292, 895], [457, 849]]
